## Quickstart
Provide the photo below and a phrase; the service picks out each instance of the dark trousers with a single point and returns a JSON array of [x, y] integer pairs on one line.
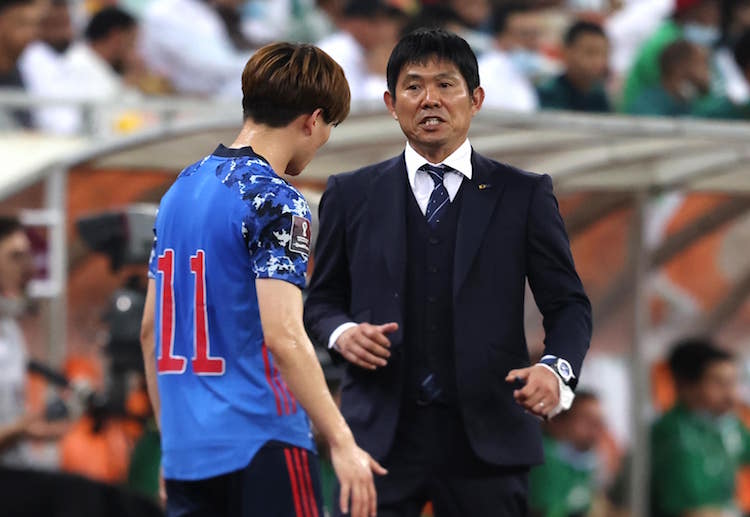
[[280, 481], [432, 460]]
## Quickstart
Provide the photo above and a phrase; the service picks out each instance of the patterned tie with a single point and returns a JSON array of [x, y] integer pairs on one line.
[[439, 199]]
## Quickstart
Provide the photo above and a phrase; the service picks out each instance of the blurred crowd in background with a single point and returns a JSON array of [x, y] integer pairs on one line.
[[642, 57]]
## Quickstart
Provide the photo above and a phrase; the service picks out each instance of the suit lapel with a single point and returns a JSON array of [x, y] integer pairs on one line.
[[387, 218], [480, 196]]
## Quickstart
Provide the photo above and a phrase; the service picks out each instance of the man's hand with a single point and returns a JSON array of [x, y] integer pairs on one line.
[[541, 392], [354, 468], [367, 345]]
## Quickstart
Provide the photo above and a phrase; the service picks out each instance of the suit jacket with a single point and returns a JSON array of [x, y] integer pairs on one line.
[[509, 229]]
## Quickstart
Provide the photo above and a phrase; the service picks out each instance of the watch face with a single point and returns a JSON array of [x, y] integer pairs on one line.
[[565, 370]]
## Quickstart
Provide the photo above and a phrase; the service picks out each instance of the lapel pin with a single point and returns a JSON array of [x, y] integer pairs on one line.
[[483, 186]]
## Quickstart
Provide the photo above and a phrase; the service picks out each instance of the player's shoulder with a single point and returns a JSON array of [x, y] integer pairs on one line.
[[256, 183]]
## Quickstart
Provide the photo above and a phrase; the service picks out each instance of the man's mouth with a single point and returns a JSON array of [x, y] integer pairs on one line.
[[431, 121]]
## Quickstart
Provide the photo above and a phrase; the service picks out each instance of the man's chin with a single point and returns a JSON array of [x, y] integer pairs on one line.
[[430, 140]]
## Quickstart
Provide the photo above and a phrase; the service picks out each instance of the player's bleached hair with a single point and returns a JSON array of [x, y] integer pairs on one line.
[[282, 81]]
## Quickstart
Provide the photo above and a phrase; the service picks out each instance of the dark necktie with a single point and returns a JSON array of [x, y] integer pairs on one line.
[[439, 199]]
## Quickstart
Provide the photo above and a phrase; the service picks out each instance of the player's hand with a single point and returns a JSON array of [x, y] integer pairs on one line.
[[354, 469], [367, 345], [541, 392]]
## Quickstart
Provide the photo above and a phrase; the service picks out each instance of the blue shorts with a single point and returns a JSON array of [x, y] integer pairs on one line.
[[280, 481]]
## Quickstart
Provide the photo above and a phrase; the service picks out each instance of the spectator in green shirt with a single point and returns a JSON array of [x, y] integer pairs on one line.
[[723, 107], [565, 485], [581, 86], [685, 78], [698, 445], [694, 20]]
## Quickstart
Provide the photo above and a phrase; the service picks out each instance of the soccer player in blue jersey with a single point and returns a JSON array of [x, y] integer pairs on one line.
[[231, 373]]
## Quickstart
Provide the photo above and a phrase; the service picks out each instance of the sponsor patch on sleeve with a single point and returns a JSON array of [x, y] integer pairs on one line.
[[301, 235]]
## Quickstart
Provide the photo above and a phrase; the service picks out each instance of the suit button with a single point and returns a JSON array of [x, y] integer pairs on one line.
[[395, 295], [432, 328], [432, 269], [434, 240], [431, 299]]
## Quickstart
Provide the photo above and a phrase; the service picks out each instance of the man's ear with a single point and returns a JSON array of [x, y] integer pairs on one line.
[[390, 103], [477, 98], [310, 121]]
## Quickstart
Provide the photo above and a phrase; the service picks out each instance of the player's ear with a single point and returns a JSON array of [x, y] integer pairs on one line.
[[312, 120]]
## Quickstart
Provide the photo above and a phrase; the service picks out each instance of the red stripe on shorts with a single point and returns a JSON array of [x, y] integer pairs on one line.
[[308, 483], [293, 481], [301, 479]]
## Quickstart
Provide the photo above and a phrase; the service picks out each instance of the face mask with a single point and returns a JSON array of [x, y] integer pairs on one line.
[[527, 62], [582, 460], [704, 35], [688, 91]]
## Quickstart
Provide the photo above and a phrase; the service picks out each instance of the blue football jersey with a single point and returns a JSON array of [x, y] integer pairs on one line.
[[225, 222]]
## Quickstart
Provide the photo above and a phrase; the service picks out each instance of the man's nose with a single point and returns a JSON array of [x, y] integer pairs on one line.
[[431, 96]]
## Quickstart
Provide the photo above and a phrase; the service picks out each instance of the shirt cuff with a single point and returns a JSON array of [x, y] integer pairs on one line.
[[566, 394], [337, 333]]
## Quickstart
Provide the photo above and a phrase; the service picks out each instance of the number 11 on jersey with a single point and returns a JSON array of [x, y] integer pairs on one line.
[[168, 361]]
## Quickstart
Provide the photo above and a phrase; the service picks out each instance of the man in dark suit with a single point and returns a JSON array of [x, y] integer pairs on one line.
[[419, 283]]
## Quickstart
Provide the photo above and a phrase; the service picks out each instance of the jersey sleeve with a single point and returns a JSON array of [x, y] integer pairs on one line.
[[282, 234]]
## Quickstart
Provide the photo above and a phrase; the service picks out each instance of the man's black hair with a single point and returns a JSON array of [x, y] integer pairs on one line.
[[423, 45], [691, 357], [107, 20], [502, 13], [9, 225], [580, 28]]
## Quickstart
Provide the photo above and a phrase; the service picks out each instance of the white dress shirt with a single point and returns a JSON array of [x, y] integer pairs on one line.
[[421, 182]]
